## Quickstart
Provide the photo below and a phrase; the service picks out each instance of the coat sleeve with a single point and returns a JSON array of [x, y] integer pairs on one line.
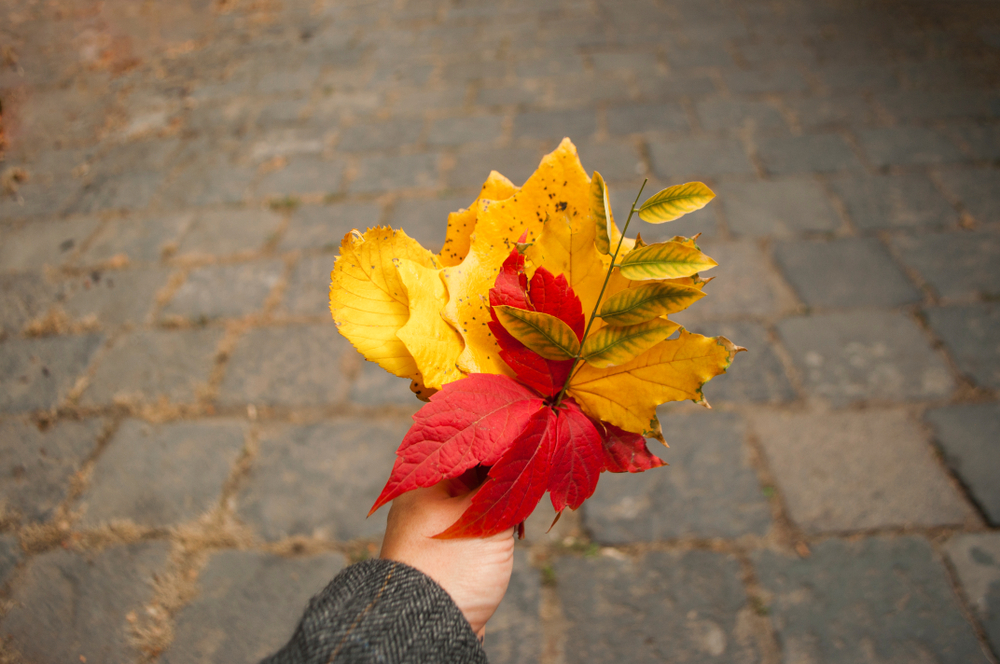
[[381, 611]]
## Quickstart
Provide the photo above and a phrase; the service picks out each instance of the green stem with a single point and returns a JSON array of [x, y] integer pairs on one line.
[[607, 278]]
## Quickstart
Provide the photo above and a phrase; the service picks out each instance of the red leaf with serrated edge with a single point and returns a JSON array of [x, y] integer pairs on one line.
[[578, 459], [511, 285], [516, 483], [551, 294], [469, 422], [624, 451]]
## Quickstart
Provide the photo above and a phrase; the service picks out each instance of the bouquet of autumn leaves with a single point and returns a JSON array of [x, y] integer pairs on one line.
[[540, 336]]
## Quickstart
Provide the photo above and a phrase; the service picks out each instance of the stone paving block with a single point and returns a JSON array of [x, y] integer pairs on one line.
[[128, 190], [374, 386], [907, 146], [693, 55], [248, 605], [616, 162], [969, 435], [957, 265], [315, 227], [701, 157], [380, 173], [417, 101], [745, 286], [161, 475], [894, 201], [857, 77], [282, 112], [473, 167], [37, 374], [675, 87], [297, 365], [220, 291], [44, 243], [227, 232], [846, 273], [71, 607], [917, 105], [209, 179], [528, 65], [976, 557], [865, 355], [114, 298], [23, 297], [288, 142], [734, 114], [578, 125], [757, 82], [978, 191], [847, 471], [638, 62], [141, 240], [972, 336], [812, 153], [982, 140], [150, 364], [304, 174], [11, 555], [426, 219], [320, 480], [831, 112], [784, 208], [38, 464], [876, 599], [390, 135], [638, 118], [665, 606], [522, 93], [465, 130], [515, 628], [709, 473], [308, 291], [756, 376]]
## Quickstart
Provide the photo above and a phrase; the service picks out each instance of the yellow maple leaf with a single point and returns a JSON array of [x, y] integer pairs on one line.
[[462, 224], [673, 370]]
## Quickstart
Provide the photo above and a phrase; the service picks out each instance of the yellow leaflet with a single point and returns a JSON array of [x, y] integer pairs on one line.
[[675, 202], [672, 370], [434, 345], [606, 231], [672, 259], [462, 224], [559, 187], [614, 345], [648, 301], [367, 299], [547, 335]]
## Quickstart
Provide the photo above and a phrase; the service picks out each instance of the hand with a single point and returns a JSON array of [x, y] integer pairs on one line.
[[474, 571]]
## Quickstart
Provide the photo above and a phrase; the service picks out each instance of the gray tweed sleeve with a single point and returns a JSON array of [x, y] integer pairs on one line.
[[381, 611]]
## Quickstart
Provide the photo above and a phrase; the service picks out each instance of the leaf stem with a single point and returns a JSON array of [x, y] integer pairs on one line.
[[607, 278]]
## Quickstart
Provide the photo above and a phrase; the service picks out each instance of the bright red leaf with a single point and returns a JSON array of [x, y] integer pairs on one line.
[[578, 459], [552, 295], [624, 451]]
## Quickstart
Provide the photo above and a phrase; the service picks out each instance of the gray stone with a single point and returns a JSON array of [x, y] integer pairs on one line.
[[209, 179], [982, 140], [37, 374], [978, 190], [113, 297], [390, 135], [227, 232], [466, 131], [857, 77], [23, 297], [426, 219], [44, 243], [38, 464], [374, 386], [148, 365], [813, 153], [639, 118], [917, 105], [743, 285], [777, 209], [380, 173], [248, 605], [521, 93], [844, 274], [304, 174], [132, 189], [665, 606], [515, 628], [320, 480], [845, 471], [907, 146], [755, 82], [972, 336], [639, 63], [957, 265], [282, 112], [289, 142], [71, 607], [699, 157], [831, 112], [969, 435], [142, 240], [732, 115], [616, 162], [417, 101], [472, 168], [865, 355], [575, 92], [286, 365], [555, 125], [894, 201], [308, 292], [324, 226], [709, 473], [675, 87], [161, 475], [876, 599], [756, 376], [219, 291], [11, 556], [699, 55], [976, 557]]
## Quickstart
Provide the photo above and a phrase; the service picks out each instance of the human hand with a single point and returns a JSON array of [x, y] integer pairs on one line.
[[474, 571]]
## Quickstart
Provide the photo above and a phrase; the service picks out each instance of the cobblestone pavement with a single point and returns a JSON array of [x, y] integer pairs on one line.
[[189, 448]]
